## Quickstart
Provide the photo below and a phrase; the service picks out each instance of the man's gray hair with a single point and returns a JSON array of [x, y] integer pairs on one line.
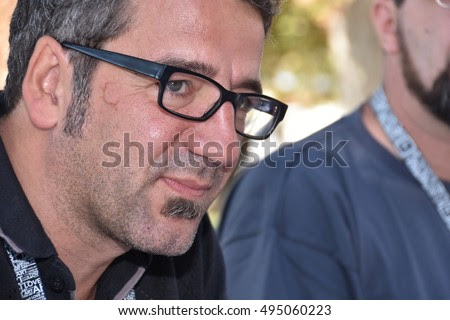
[[84, 22]]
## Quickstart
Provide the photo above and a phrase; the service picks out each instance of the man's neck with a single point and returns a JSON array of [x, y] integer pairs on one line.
[[85, 251], [86, 259], [431, 135]]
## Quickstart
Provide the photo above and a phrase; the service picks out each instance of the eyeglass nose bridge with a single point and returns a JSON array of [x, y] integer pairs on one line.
[[225, 96]]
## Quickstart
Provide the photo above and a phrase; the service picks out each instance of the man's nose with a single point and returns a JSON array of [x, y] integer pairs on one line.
[[216, 139]]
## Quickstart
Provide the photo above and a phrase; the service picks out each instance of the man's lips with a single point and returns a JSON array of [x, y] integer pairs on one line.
[[187, 187]]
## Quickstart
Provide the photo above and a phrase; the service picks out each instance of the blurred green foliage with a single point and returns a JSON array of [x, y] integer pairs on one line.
[[297, 64]]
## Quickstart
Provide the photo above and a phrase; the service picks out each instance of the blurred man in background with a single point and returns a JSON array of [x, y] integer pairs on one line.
[[361, 209], [80, 215]]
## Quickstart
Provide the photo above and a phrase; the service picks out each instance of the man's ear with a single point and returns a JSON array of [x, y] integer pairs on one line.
[[47, 85], [384, 15]]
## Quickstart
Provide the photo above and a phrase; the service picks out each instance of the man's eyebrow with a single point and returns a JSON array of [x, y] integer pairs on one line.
[[195, 66], [249, 84], [210, 71]]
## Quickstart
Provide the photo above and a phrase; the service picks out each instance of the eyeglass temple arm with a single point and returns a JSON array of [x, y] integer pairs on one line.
[[151, 69]]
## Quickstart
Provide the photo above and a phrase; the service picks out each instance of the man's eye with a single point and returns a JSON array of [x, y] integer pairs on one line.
[[178, 86]]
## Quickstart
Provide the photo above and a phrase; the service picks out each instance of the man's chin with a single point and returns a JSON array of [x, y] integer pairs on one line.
[[176, 247], [171, 237]]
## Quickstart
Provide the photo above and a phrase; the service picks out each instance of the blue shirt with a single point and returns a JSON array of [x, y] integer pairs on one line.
[[363, 229]]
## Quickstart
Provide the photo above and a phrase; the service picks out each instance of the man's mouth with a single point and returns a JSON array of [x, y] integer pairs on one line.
[[187, 187]]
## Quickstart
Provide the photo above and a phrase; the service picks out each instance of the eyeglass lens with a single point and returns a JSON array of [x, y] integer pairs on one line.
[[193, 96]]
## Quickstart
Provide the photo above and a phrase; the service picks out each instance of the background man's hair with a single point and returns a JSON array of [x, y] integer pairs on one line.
[[84, 22], [399, 2]]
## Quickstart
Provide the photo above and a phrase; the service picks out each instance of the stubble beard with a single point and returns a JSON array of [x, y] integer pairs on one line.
[[131, 218], [104, 204], [436, 99]]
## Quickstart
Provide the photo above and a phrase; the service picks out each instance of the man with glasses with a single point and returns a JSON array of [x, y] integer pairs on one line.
[[373, 223], [94, 89]]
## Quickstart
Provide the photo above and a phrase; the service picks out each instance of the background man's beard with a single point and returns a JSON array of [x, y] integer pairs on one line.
[[437, 99]]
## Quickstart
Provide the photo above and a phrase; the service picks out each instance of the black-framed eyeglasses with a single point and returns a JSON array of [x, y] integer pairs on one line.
[[196, 97]]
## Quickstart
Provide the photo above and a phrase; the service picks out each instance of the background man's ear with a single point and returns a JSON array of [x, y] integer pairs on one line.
[[385, 20], [47, 84]]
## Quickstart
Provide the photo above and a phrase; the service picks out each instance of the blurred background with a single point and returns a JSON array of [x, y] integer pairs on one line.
[[322, 59]]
